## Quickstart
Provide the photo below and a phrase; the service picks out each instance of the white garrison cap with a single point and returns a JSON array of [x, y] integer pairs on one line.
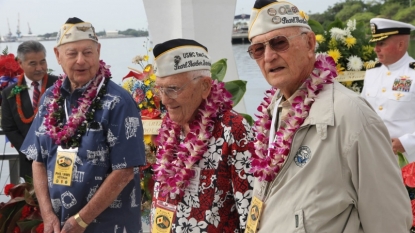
[[75, 29], [269, 15], [179, 56], [383, 28]]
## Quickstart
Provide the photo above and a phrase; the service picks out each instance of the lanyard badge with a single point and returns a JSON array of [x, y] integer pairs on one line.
[[65, 159], [164, 217], [254, 215]]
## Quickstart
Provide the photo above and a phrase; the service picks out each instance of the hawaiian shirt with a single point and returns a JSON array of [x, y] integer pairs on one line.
[[225, 188], [114, 140]]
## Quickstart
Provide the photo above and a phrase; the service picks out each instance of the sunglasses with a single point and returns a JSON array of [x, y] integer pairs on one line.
[[278, 44]]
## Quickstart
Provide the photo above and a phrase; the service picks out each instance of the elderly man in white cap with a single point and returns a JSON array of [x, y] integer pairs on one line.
[[86, 142], [323, 160], [389, 86], [202, 174]]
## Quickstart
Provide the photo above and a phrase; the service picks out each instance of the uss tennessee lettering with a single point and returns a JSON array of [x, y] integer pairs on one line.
[[293, 20], [191, 64]]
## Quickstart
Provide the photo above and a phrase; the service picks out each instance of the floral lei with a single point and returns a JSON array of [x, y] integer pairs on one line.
[[175, 159], [266, 162], [16, 92], [70, 134]]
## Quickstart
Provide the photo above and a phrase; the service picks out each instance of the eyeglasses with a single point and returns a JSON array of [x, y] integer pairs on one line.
[[278, 44], [172, 92]]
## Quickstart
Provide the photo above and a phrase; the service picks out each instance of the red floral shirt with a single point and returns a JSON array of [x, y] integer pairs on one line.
[[225, 189]]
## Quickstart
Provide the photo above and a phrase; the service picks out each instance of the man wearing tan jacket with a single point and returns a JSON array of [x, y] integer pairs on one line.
[[324, 161]]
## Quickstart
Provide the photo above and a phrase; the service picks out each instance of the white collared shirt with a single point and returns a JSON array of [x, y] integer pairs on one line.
[[30, 88]]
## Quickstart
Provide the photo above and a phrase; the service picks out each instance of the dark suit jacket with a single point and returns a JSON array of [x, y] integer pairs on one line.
[[11, 123]]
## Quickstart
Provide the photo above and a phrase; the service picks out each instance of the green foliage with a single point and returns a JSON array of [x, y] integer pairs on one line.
[[133, 32], [218, 69], [316, 26], [5, 51], [402, 161], [237, 88], [363, 17], [49, 35], [389, 10], [405, 15], [349, 10]]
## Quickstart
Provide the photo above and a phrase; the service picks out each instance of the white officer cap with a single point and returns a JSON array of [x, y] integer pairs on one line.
[[383, 28]]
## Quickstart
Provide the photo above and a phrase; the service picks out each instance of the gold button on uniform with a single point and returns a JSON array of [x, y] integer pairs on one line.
[[380, 107], [388, 73], [383, 89]]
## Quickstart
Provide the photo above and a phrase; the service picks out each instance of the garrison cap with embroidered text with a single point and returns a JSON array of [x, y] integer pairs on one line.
[[269, 15], [75, 29], [179, 56], [383, 28]]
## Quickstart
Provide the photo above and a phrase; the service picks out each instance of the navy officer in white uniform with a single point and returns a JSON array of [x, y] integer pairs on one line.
[[389, 86]]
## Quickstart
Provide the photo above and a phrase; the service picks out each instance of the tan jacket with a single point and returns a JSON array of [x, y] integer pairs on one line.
[[341, 174]]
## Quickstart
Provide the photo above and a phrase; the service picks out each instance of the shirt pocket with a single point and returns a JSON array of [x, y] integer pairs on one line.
[[299, 222], [400, 106], [371, 92]]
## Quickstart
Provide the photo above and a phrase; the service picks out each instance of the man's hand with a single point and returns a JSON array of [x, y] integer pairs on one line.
[[397, 146], [51, 223], [71, 226]]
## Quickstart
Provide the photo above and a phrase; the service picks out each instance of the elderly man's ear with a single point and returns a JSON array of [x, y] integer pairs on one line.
[[206, 86], [311, 42]]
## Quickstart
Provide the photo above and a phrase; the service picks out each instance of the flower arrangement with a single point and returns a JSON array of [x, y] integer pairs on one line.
[[140, 85], [349, 46], [408, 175], [21, 214], [9, 69]]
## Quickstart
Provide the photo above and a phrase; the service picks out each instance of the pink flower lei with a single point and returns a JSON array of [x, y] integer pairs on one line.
[[266, 163], [175, 159], [70, 134]]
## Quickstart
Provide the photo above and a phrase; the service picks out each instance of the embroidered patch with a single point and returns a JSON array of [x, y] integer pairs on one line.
[[302, 156], [402, 83]]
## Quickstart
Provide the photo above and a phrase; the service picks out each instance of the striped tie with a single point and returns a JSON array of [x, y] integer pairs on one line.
[[36, 94]]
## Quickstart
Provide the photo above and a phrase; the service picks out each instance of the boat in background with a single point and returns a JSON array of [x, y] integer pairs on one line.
[[240, 29]]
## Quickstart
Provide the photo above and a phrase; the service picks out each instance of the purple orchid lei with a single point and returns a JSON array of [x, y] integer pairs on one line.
[[175, 159], [267, 162], [70, 134]]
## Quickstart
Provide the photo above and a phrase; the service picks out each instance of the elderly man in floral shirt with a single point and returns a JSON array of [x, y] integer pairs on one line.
[[87, 143], [202, 174]]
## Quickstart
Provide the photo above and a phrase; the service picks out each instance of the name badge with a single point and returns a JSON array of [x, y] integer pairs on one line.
[[195, 181], [65, 158], [163, 219], [254, 215]]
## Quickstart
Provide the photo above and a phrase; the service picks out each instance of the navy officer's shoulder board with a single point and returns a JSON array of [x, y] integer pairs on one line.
[[371, 65]]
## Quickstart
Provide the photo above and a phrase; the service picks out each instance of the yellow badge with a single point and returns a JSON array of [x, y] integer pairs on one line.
[[163, 220], [65, 159], [254, 215]]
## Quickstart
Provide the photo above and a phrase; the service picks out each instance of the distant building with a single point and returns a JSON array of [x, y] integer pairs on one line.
[[240, 23], [240, 28], [111, 33]]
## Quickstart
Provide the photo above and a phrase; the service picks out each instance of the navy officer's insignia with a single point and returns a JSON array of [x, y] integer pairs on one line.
[[302, 156]]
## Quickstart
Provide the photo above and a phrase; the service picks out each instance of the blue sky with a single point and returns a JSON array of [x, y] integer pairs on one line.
[[46, 16]]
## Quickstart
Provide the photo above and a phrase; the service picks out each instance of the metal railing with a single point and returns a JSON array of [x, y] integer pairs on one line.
[[13, 159]]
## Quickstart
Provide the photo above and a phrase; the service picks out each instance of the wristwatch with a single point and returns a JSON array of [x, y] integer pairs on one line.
[[79, 220]]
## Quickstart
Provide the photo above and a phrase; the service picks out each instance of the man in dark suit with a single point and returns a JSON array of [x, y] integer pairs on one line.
[[19, 105]]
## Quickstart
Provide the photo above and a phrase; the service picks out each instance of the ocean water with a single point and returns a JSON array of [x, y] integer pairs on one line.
[[119, 53]]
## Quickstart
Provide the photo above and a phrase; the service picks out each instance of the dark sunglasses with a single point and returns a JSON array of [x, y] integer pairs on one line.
[[278, 44]]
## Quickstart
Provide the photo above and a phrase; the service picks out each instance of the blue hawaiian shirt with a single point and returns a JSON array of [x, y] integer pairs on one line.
[[114, 141]]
